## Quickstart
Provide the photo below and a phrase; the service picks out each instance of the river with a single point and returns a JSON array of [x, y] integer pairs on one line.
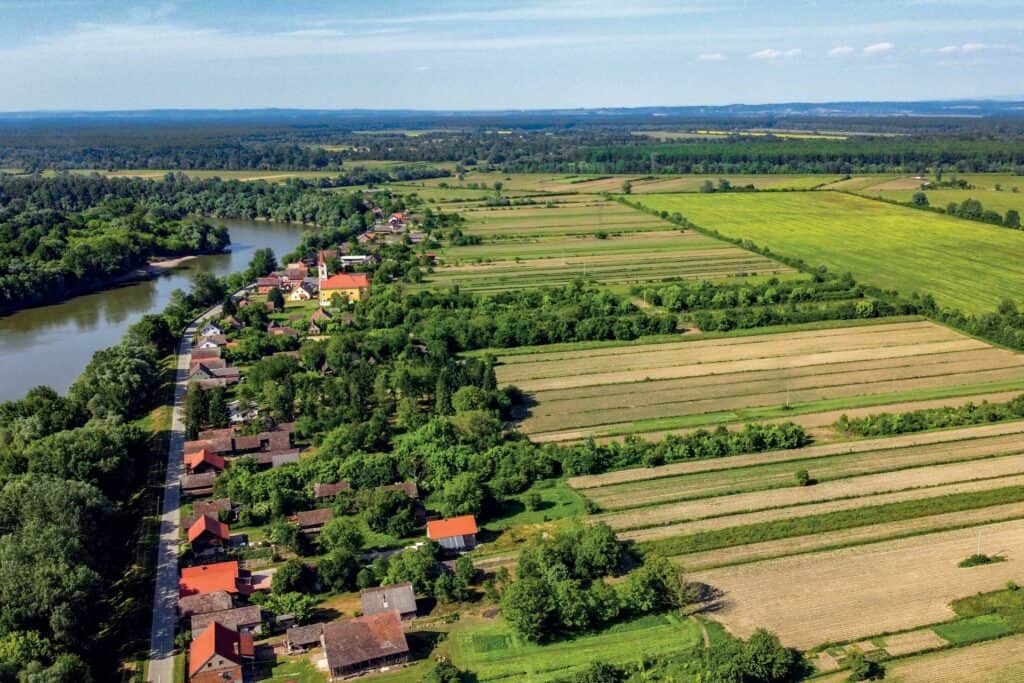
[[52, 344]]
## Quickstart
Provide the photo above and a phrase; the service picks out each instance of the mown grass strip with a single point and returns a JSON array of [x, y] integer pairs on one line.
[[833, 521]]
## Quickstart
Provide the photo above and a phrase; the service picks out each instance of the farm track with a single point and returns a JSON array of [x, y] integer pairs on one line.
[[920, 478], [754, 552], [685, 528], [840, 595]]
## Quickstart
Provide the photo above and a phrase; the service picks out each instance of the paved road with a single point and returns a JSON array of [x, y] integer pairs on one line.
[[165, 592]]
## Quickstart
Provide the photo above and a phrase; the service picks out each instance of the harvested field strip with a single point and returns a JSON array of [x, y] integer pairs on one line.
[[996, 661], [739, 416], [823, 525], [780, 475], [559, 246], [798, 338], [872, 533], [694, 406], [683, 256], [817, 424], [824, 350], [751, 383], [920, 575], [510, 356], [525, 276], [748, 518], [854, 487], [966, 434], [955, 361]]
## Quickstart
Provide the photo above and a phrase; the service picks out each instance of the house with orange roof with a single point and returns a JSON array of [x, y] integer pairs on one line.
[[219, 576], [349, 286], [455, 533], [208, 534], [217, 655], [204, 460]]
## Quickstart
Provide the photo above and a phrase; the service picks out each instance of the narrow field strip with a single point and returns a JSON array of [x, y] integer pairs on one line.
[[811, 452], [796, 511], [816, 339], [780, 475], [920, 575], [990, 358], [854, 487], [739, 384], [584, 418], [874, 533]]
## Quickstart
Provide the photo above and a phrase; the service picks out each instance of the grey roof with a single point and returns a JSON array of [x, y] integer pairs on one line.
[[398, 596], [232, 618], [304, 636], [201, 603]]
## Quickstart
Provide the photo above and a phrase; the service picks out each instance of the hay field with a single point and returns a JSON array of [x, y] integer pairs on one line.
[[575, 219], [841, 594], [614, 390], [964, 264]]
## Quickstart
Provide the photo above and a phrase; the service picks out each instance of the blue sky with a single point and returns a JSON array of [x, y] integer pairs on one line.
[[94, 54]]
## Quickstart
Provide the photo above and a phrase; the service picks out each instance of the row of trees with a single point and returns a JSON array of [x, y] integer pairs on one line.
[[689, 295], [888, 424], [972, 210]]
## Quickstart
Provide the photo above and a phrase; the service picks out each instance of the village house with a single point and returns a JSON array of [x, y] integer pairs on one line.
[[220, 576], [207, 534], [211, 341], [295, 273], [311, 522], [353, 260], [217, 655], [318, 321], [399, 597], [209, 329], [218, 508], [455, 533], [197, 485], [350, 287], [269, 282], [208, 363], [303, 291], [202, 461], [409, 488], [233, 322], [321, 491], [363, 644], [204, 354], [202, 603], [248, 619], [209, 377], [278, 331], [299, 639]]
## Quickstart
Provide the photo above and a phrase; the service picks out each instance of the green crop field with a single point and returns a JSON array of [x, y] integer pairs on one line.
[[964, 264]]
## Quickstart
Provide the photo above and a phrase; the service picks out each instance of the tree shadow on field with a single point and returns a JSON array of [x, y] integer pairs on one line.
[[706, 598]]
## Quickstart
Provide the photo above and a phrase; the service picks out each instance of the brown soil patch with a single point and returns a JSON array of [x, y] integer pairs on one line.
[[856, 592], [913, 641]]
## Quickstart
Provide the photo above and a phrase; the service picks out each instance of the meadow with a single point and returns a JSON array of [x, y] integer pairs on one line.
[[963, 264], [609, 390]]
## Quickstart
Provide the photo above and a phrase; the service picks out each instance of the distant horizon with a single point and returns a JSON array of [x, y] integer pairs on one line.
[[459, 55]]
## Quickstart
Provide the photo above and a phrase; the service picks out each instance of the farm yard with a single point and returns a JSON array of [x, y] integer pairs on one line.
[[646, 388], [964, 264]]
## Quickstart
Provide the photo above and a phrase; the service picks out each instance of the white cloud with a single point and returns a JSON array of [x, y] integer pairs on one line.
[[841, 50], [554, 11], [966, 48], [878, 48], [949, 49], [771, 53], [973, 47], [711, 57]]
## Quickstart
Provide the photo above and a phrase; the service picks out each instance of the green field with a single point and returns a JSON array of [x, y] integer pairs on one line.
[[964, 264], [990, 199]]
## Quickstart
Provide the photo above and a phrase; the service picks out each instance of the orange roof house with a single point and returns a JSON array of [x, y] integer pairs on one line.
[[216, 655], [207, 533], [456, 533], [202, 461], [353, 286], [207, 578]]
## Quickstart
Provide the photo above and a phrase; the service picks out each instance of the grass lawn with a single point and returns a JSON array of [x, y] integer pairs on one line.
[[298, 669], [558, 501], [493, 652], [964, 264], [973, 629]]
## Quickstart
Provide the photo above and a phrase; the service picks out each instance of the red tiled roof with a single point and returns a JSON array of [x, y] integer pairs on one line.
[[456, 526], [207, 523], [207, 578], [194, 460], [346, 281], [216, 640]]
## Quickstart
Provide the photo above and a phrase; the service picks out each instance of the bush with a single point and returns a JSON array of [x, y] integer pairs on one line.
[[803, 478], [979, 559], [863, 669]]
